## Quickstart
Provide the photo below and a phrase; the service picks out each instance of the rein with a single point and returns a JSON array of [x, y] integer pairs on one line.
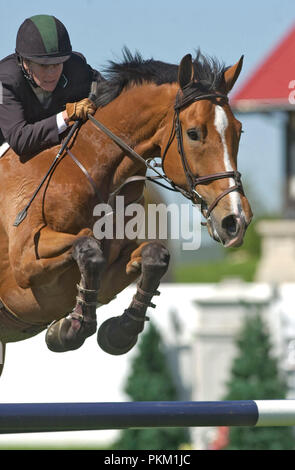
[[133, 153], [192, 180]]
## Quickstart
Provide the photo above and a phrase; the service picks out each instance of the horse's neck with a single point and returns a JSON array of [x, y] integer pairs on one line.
[[136, 116]]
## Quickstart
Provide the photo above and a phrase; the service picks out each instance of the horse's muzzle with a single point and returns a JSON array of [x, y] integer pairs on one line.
[[230, 231], [234, 227]]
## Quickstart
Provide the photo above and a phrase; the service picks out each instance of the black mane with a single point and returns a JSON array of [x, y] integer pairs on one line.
[[134, 70]]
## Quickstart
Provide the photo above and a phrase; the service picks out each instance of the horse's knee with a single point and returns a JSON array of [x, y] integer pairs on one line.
[[155, 256], [88, 255]]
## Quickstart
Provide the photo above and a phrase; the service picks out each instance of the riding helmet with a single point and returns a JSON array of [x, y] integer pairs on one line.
[[44, 40]]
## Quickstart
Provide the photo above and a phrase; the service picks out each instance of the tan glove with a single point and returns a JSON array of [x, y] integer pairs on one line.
[[80, 110]]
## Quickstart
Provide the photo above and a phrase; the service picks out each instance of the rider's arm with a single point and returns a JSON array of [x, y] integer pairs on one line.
[[25, 139], [29, 138]]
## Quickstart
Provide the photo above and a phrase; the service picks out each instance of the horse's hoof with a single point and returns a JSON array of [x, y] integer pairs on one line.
[[112, 340], [65, 335]]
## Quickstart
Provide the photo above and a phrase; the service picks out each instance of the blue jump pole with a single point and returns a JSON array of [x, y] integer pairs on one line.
[[52, 417]]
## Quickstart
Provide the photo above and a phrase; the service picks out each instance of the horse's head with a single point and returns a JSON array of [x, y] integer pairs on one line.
[[202, 159]]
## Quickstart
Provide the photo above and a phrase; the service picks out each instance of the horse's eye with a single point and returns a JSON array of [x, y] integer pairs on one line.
[[193, 134]]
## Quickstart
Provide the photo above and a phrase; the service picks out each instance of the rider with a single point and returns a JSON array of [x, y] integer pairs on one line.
[[44, 87]]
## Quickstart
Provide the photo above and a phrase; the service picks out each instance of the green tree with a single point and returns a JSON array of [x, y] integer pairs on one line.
[[150, 380], [255, 375]]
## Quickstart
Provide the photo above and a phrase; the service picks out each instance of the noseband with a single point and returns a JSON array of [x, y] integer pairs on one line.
[[191, 179]]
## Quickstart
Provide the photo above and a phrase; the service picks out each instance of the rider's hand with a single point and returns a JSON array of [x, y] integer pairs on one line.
[[79, 110]]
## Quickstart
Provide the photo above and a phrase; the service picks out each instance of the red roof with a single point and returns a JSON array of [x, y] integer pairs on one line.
[[270, 87]]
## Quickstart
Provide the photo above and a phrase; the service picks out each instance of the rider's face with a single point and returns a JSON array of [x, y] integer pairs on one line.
[[45, 76]]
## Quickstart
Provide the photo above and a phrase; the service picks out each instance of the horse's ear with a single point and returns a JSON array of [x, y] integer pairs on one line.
[[232, 73], [185, 71]]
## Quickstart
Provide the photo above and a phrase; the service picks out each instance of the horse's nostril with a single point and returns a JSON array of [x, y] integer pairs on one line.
[[231, 225]]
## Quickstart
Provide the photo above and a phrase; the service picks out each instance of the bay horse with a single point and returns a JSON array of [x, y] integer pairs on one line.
[[53, 271]]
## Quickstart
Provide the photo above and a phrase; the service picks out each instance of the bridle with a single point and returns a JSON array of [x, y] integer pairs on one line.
[[182, 100], [192, 180]]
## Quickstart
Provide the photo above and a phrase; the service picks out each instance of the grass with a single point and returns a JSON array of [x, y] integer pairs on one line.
[[216, 271]]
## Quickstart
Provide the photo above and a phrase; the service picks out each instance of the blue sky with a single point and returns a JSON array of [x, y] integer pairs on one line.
[[169, 29]]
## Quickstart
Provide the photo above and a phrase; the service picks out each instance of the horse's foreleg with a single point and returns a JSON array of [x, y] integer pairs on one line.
[[43, 258], [118, 335], [70, 333]]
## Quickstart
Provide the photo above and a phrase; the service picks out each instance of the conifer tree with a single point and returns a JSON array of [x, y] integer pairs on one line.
[[255, 375], [150, 380]]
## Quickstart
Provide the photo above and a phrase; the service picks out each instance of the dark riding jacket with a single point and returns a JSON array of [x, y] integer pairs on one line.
[[25, 123]]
